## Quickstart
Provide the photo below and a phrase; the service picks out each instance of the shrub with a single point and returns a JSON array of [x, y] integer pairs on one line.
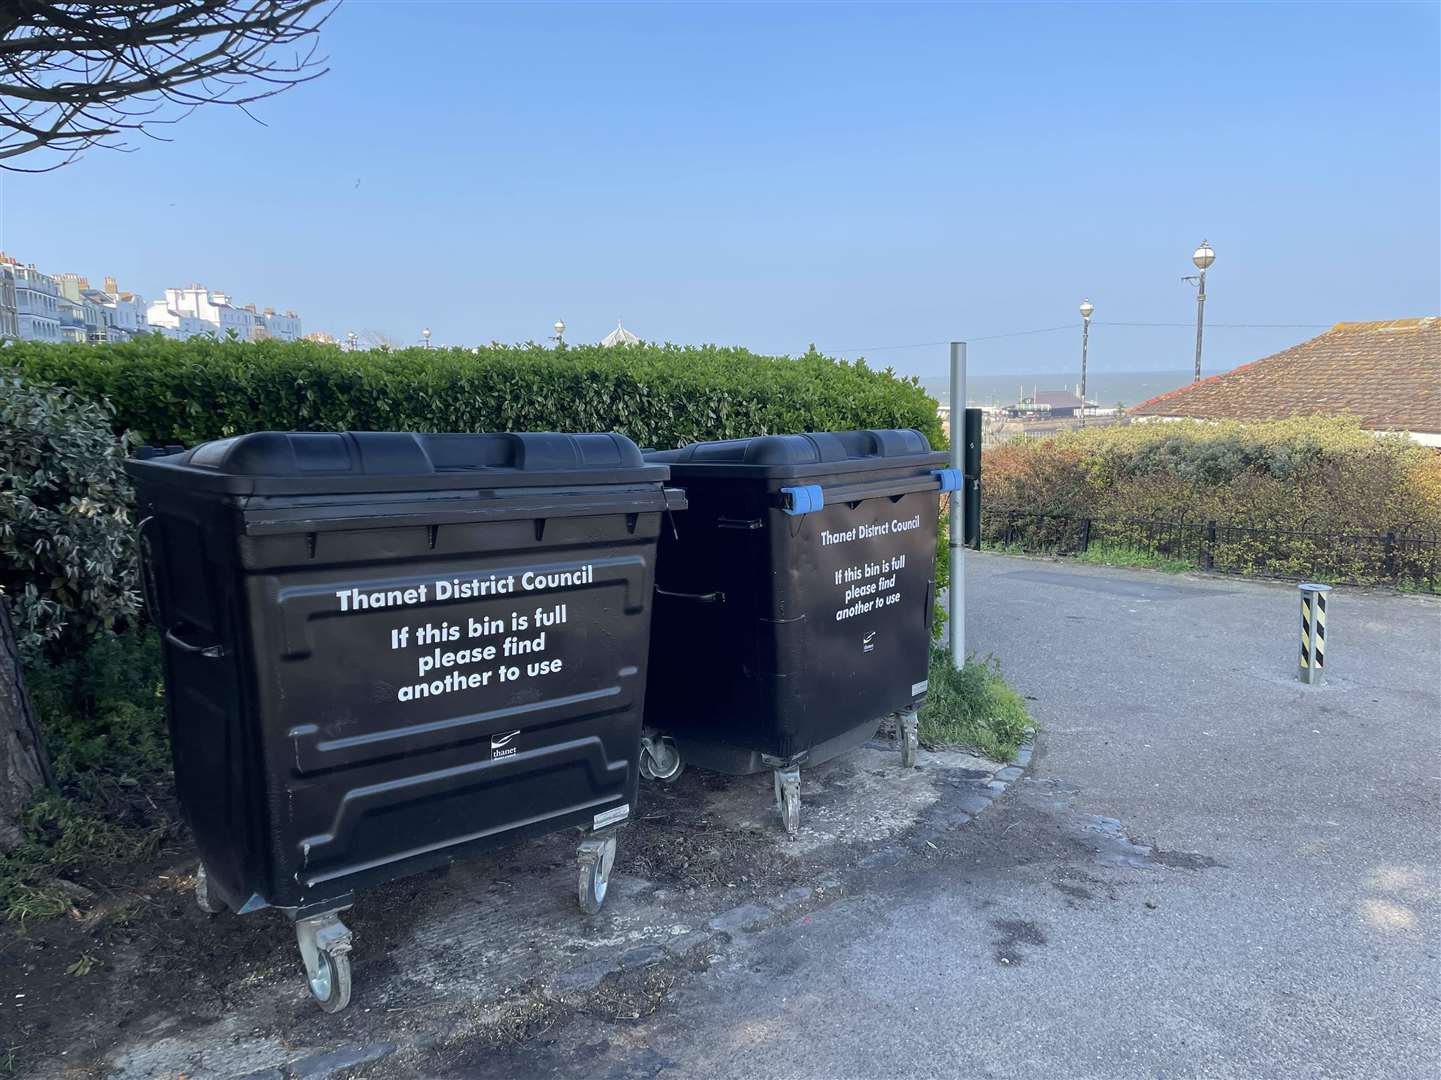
[[67, 549], [663, 396], [103, 717], [1321, 489], [659, 395]]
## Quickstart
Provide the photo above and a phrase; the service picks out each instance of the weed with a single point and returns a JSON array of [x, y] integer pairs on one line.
[[83, 966], [973, 707]]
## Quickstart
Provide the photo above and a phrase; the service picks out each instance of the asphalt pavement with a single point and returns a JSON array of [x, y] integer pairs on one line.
[[1209, 870]]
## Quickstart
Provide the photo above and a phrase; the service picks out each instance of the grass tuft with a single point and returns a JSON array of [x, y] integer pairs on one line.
[[974, 708], [1100, 554]]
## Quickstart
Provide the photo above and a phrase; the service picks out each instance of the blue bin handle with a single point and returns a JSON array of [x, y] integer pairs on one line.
[[802, 500], [812, 497]]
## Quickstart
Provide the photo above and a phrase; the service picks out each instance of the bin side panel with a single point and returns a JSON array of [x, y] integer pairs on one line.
[[193, 596]]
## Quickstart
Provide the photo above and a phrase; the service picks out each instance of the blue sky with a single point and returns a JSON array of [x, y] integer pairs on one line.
[[766, 175]]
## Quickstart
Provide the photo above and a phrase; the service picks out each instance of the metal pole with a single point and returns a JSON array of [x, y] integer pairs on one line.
[[1313, 633], [1085, 341], [1200, 316], [957, 612]]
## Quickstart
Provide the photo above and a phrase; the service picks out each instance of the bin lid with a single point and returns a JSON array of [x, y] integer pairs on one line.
[[809, 454], [322, 462]]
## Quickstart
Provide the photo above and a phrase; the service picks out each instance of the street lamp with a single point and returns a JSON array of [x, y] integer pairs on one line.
[[425, 336], [559, 337], [1086, 309], [350, 338], [1203, 257]]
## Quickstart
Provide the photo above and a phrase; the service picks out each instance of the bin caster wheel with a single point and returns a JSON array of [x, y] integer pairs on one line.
[[660, 760], [325, 948], [596, 856], [788, 798], [908, 735], [211, 905]]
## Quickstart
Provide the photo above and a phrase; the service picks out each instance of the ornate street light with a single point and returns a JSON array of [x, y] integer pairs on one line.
[[1086, 309], [1203, 257], [425, 336], [559, 337]]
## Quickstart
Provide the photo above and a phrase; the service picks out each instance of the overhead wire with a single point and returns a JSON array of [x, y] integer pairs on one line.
[[1072, 326]]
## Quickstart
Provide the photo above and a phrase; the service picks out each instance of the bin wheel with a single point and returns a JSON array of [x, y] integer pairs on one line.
[[660, 760], [330, 985], [788, 798], [325, 948], [211, 905], [596, 856], [908, 735]]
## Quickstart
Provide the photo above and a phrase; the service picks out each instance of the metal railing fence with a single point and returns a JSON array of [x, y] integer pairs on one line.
[[1402, 557]]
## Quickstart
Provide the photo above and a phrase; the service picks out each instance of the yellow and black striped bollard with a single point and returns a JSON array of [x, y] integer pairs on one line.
[[1313, 632]]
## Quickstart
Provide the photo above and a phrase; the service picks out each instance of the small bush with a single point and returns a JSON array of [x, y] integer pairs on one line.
[[102, 713], [974, 707], [67, 548]]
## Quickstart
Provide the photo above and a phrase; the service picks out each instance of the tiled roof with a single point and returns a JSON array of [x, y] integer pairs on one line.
[[1387, 374]]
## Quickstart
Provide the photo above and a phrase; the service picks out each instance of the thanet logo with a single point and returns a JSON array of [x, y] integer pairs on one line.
[[868, 643], [500, 745]]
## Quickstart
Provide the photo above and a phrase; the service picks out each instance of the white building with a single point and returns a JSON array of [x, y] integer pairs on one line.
[[37, 302], [85, 318], [183, 310], [124, 311], [9, 317], [173, 324], [281, 325]]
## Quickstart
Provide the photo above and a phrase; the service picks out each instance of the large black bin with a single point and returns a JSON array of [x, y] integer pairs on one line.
[[384, 650], [794, 603]]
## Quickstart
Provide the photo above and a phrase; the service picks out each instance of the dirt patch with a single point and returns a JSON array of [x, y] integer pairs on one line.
[[491, 952]]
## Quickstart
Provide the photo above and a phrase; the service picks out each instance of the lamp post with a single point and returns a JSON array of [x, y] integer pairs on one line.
[[350, 339], [1086, 309], [1203, 257], [559, 336], [425, 336]]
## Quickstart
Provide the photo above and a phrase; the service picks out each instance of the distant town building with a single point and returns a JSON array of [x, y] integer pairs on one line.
[[282, 325], [1049, 404], [37, 303], [84, 318], [197, 310], [35, 306], [1387, 374], [619, 336], [9, 315], [127, 310], [320, 337]]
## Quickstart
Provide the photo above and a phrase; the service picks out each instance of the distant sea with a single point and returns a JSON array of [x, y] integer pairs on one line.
[[1105, 388]]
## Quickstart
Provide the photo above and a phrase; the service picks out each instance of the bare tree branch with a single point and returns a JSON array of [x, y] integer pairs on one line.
[[78, 75]]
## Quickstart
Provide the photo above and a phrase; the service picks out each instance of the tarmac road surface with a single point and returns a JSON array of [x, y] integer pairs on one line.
[[1210, 870]]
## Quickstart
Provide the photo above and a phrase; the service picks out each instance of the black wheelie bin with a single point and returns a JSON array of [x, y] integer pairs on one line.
[[793, 603], [384, 650]]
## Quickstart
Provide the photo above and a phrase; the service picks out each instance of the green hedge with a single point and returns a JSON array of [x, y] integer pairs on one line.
[[660, 395]]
